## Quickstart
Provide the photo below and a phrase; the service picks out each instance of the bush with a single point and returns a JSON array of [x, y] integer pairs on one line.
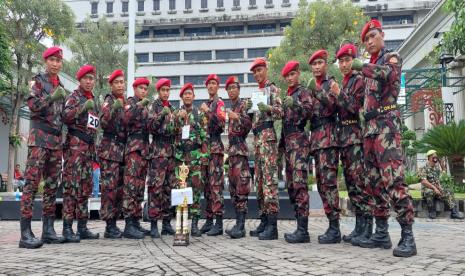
[[447, 181], [411, 178]]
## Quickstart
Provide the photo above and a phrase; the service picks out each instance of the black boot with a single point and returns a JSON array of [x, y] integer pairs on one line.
[[207, 226], [195, 231], [48, 231], [238, 230], [166, 228], [406, 246], [359, 222], [332, 234], [261, 227], [139, 227], [455, 214], [301, 234], [84, 232], [367, 231], [27, 237], [154, 234], [431, 209], [68, 232], [271, 229], [380, 238], [131, 231], [217, 229], [111, 231]]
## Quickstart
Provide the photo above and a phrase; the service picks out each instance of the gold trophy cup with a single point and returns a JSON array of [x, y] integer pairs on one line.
[[181, 237]]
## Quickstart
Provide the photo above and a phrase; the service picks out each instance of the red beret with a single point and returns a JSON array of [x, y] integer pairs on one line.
[[140, 81], [372, 24], [115, 74], [162, 82], [320, 54], [231, 80], [212, 77], [53, 51], [290, 66], [258, 62], [84, 70], [347, 50], [187, 86]]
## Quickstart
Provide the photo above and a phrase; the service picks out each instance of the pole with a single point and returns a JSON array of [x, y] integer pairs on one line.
[[131, 46]]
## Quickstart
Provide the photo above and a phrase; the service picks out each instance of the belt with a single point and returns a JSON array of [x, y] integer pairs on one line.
[[349, 122], [260, 128], [234, 140], [115, 137], [46, 128], [288, 129], [141, 135], [189, 147], [215, 137], [320, 121], [163, 139], [379, 111], [81, 135]]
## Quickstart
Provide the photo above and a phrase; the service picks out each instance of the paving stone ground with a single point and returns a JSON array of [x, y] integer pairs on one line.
[[441, 251]]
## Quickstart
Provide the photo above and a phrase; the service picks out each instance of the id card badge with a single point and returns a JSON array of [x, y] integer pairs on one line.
[[185, 132], [93, 121]]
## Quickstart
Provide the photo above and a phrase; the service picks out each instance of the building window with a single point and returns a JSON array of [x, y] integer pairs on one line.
[[94, 8], [166, 57], [252, 2], [257, 52], [398, 19], [166, 33], [204, 4], [109, 7], [197, 55], [175, 80], [230, 54], [125, 7], [156, 5], [143, 34], [250, 78], [140, 5], [236, 3], [286, 2], [196, 80], [239, 76], [262, 28], [393, 44], [172, 5], [188, 4], [142, 57], [227, 30], [269, 2], [219, 4], [200, 31], [283, 25]]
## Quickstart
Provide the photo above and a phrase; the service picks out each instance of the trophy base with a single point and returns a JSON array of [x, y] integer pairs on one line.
[[181, 239]]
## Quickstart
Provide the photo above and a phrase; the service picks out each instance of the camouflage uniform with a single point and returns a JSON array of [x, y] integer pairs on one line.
[[297, 149], [45, 147], [266, 153], [161, 176], [432, 175], [136, 157], [239, 173], [79, 152], [111, 159], [382, 146]]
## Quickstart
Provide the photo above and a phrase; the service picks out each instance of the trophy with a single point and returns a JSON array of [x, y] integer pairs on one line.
[[181, 237]]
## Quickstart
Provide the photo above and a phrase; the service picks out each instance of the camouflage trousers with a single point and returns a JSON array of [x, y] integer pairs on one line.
[[77, 183], [44, 164], [385, 174], [326, 164], [135, 173], [193, 180], [296, 180], [161, 179], [213, 189], [266, 176], [446, 195], [239, 181], [111, 187], [354, 174], [206, 191]]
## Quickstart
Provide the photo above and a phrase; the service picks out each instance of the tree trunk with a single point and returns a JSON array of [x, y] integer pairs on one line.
[[16, 105], [457, 170]]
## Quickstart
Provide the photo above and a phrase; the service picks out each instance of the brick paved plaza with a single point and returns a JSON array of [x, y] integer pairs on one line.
[[441, 251]]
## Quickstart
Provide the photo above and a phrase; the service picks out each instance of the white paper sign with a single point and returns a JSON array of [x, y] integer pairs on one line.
[[185, 132], [177, 196], [258, 97], [93, 121]]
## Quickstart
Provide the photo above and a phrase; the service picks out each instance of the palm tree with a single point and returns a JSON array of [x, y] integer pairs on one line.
[[448, 140]]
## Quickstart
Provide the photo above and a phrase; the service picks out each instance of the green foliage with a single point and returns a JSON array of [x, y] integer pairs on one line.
[[319, 24], [5, 61], [453, 39], [411, 177], [408, 139]]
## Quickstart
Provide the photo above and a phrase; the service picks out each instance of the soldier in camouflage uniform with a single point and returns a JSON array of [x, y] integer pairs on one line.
[[382, 146], [349, 102], [45, 150], [188, 150], [80, 115], [324, 144], [298, 108], [136, 158], [239, 125], [266, 153], [161, 177], [111, 154], [432, 190]]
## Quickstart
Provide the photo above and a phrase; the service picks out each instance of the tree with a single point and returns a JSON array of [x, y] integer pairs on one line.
[[5, 75], [408, 142], [453, 39], [26, 23], [101, 44], [320, 24], [448, 140]]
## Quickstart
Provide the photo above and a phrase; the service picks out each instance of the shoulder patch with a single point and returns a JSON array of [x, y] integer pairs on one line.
[[126, 107]]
